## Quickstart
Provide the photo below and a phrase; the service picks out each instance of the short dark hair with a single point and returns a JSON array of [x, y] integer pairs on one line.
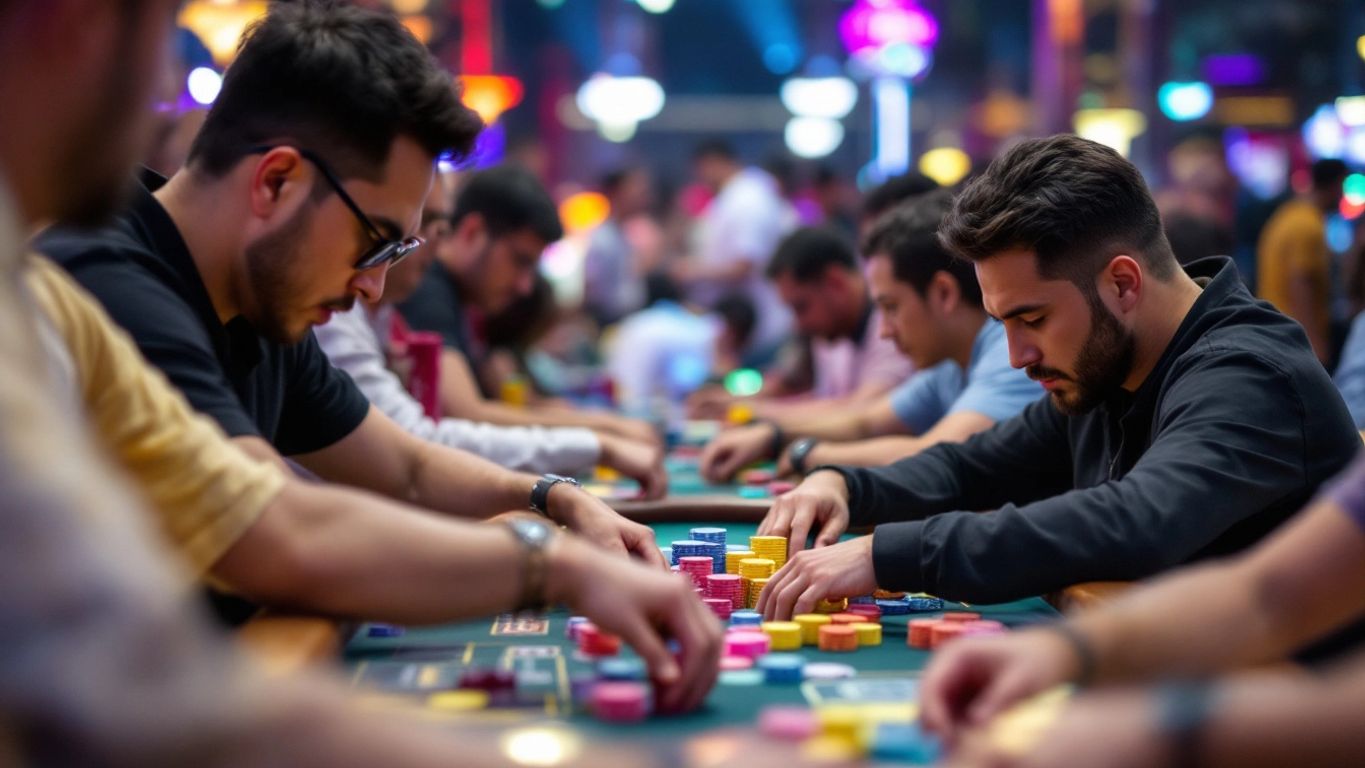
[[715, 148], [1073, 202], [896, 190], [340, 80], [908, 236], [736, 311], [806, 253], [509, 198], [1328, 172]]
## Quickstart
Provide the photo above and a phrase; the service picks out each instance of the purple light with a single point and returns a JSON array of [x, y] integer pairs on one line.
[[876, 24], [1234, 69]]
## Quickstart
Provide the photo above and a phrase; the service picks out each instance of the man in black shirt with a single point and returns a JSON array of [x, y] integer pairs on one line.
[[503, 219], [1185, 418], [304, 184]]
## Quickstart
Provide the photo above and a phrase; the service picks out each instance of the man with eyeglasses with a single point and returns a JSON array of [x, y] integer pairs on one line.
[[304, 185]]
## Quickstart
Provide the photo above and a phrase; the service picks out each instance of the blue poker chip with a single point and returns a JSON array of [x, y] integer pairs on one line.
[[894, 607], [713, 535], [621, 668], [904, 743], [746, 619], [754, 492], [384, 630], [782, 668], [924, 604], [862, 600]]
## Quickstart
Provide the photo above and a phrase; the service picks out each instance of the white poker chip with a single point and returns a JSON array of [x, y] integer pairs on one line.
[[828, 671]]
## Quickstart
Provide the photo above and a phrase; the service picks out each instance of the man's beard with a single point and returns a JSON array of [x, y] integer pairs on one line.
[[273, 280], [1102, 365]]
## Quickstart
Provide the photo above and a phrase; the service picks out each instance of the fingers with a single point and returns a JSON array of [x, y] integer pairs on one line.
[[829, 533], [636, 631], [653, 482], [711, 456], [699, 634], [799, 529], [643, 544], [998, 695], [778, 521]]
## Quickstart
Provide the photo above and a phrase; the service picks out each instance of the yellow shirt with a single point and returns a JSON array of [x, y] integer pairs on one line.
[[1294, 245], [206, 491]]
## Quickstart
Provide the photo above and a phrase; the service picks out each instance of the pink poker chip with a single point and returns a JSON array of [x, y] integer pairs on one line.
[[620, 701], [788, 723], [749, 644], [728, 663], [779, 487]]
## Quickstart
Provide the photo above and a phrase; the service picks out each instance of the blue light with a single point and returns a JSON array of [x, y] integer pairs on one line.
[[1185, 101], [779, 58]]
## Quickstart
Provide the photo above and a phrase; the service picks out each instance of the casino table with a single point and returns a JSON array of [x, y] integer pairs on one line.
[[421, 661]]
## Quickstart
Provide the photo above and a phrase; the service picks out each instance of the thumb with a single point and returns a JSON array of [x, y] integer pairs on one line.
[[998, 696]]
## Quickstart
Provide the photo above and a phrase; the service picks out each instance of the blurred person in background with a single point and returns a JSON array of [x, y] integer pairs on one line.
[[623, 249]]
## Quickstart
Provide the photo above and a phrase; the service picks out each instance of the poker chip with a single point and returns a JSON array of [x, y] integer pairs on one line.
[[746, 619], [729, 663], [898, 607], [680, 549], [572, 626], [961, 617], [868, 634], [621, 702], [463, 700], [846, 618], [733, 558], [753, 492], [840, 721], [726, 586], [831, 606], [824, 670], [740, 677], [757, 476], [594, 642], [788, 723], [581, 685], [384, 630], [838, 638], [779, 487], [715, 538], [781, 668], [883, 594], [904, 743], [773, 548], [785, 635], [862, 600], [630, 669], [920, 633], [869, 612], [698, 567], [920, 604], [983, 628], [755, 590], [721, 606], [750, 644], [944, 632], [810, 624]]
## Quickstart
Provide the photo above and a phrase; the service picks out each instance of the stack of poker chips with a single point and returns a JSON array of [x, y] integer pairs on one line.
[[929, 634], [746, 619], [620, 702], [698, 567], [755, 589], [716, 538], [748, 644], [572, 626], [594, 642], [810, 624], [868, 633], [726, 586], [838, 638], [621, 669], [721, 606], [733, 558], [773, 548], [869, 612], [751, 568], [781, 668], [785, 635], [788, 723], [680, 549], [845, 618]]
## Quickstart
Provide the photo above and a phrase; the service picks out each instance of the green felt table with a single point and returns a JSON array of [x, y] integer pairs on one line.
[[442, 651]]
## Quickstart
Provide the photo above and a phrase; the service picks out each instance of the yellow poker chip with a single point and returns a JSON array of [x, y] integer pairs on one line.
[[463, 700]]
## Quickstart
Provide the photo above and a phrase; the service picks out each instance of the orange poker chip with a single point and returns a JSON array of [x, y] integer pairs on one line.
[[883, 594], [838, 638], [961, 617], [944, 632], [847, 618], [920, 633]]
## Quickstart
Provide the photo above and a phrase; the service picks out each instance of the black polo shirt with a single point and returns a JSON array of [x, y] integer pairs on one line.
[[141, 270], [436, 306]]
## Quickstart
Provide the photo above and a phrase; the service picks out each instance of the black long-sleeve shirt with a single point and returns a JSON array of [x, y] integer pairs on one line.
[[1230, 434]]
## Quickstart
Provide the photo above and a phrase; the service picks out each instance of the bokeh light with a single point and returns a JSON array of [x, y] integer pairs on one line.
[[1185, 101], [583, 211], [743, 382], [204, 84], [945, 165], [812, 137]]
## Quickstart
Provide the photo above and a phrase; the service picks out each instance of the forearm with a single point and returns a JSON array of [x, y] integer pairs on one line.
[[464, 485], [866, 453], [1287, 719], [349, 553]]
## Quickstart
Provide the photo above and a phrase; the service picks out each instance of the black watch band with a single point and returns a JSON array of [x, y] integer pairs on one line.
[[800, 451], [540, 492], [779, 440]]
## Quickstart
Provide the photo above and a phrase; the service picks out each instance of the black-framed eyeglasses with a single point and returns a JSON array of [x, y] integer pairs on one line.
[[385, 250]]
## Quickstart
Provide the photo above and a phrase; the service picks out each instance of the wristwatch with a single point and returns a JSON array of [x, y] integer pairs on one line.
[[1182, 709], [534, 537], [540, 492], [799, 451]]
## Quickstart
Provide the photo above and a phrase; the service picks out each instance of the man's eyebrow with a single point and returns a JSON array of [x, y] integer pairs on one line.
[[387, 227], [1017, 311]]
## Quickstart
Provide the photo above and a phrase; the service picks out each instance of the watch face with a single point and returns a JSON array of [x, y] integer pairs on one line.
[[532, 531]]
